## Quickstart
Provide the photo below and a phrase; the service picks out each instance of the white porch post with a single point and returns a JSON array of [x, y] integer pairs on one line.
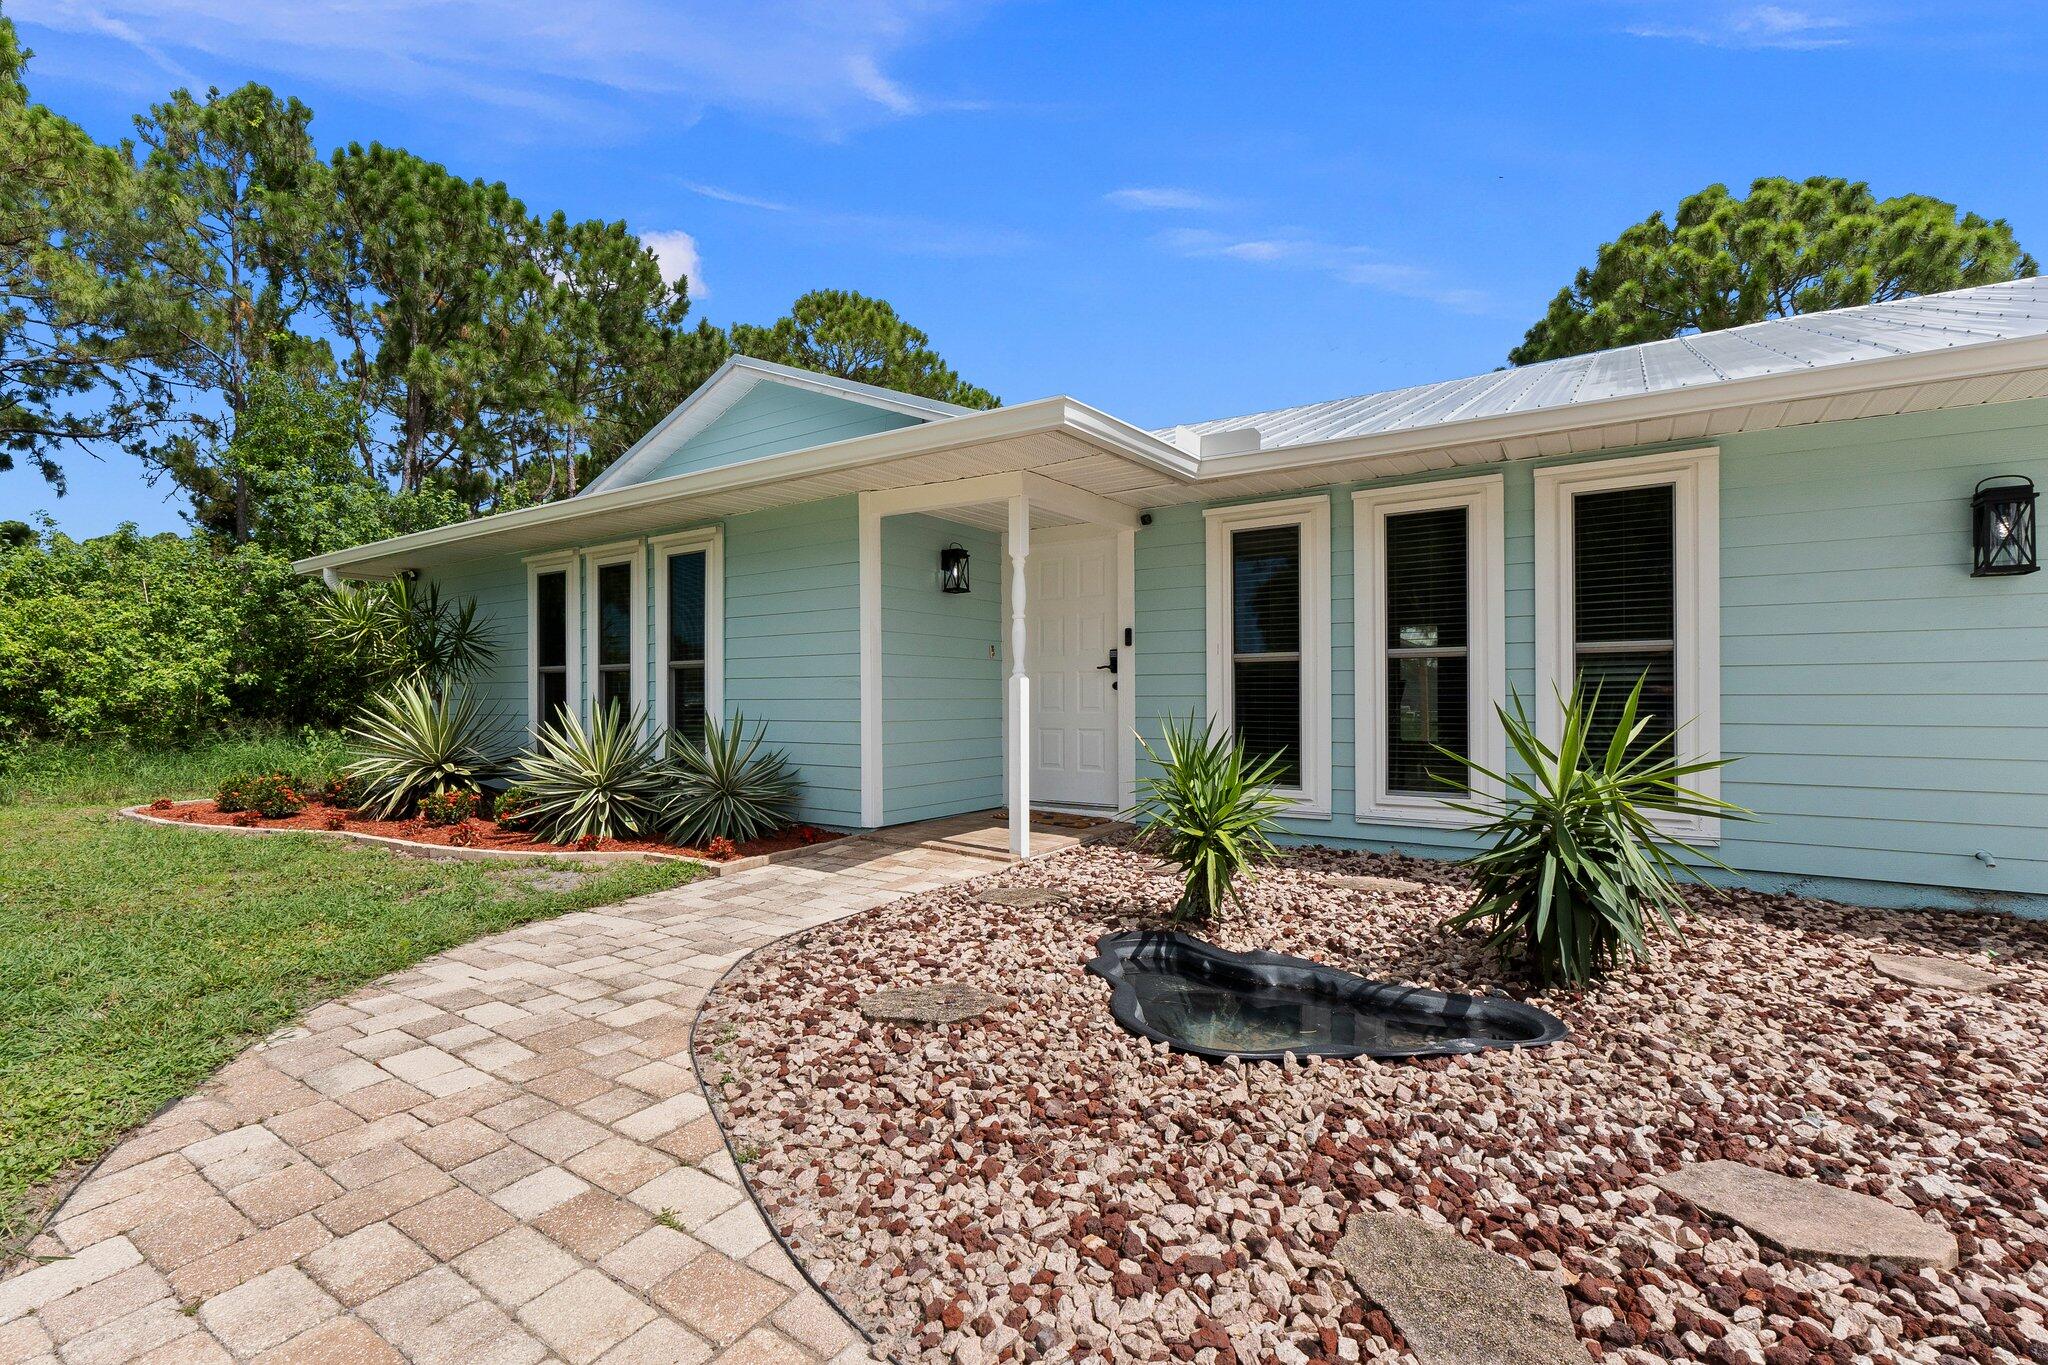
[[1018, 545]]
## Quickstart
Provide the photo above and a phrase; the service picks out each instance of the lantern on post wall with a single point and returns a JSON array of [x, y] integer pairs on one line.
[[953, 568], [2002, 528]]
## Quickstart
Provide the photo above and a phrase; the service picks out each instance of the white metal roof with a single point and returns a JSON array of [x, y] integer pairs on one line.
[[1812, 341]]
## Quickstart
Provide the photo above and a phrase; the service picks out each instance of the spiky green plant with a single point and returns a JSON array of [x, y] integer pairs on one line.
[[398, 631], [413, 742], [603, 781], [1576, 873], [726, 786], [1210, 809]]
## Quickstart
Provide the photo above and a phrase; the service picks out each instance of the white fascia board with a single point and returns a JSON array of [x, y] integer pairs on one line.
[[974, 428], [1980, 360]]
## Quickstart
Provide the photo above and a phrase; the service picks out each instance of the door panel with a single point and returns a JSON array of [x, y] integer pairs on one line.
[[1072, 613]]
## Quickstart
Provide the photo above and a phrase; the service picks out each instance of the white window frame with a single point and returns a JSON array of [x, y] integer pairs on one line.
[[710, 540], [1695, 477], [633, 553], [1483, 499], [1311, 800], [562, 562]]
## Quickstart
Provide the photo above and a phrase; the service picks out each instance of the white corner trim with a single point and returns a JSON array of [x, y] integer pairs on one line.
[[1312, 800], [1128, 639], [564, 563], [633, 553], [1483, 499], [870, 612], [710, 541], [1695, 475]]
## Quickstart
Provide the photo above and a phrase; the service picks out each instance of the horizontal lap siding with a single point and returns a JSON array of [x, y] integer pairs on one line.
[[792, 644], [498, 587], [942, 693], [1888, 713], [771, 420]]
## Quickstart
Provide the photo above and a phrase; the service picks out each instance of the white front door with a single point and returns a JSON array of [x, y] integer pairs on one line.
[[1071, 618]]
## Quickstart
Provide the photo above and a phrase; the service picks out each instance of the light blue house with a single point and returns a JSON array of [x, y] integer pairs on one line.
[[1774, 523]]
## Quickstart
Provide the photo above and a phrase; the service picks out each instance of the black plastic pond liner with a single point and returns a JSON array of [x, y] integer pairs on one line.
[[1258, 1007]]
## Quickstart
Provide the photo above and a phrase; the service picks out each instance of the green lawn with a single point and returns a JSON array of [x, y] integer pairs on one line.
[[135, 960]]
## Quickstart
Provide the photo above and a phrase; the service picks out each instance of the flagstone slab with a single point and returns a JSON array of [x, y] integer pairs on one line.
[[1392, 885], [937, 1002], [1808, 1219], [1938, 972], [1456, 1303]]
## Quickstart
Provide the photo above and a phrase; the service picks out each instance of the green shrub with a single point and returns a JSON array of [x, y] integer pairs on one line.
[[447, 808], [512, 807], [1210, 810], [1576, 874], [413, 742], [272, 795], [344, 791], [726, 787], [601, 783]]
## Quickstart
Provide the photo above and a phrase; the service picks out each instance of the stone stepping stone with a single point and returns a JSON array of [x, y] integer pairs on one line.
[[1938, 972], [938, 1002], [1456, 1303], [1808, 1219], [1022, 895], [1393, 885]]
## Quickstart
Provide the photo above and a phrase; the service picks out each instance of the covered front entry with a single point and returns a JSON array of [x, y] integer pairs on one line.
[[1050, 623], [1076, 669]]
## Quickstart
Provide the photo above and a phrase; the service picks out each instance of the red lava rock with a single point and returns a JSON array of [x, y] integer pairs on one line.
[[1047, 1178]]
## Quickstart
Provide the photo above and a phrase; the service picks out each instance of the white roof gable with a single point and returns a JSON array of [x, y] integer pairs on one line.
[[734, 380]]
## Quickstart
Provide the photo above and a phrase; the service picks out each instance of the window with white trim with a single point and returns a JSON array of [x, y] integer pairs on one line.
[[1628, 589], [689, 632], [551, 639], [616, 575], [1431, 610], [1269, 637]]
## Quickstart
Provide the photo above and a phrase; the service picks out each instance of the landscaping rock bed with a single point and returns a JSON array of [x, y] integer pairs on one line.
[[1038, 1183]]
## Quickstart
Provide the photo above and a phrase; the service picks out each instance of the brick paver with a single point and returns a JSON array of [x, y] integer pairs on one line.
[[499, 1155]]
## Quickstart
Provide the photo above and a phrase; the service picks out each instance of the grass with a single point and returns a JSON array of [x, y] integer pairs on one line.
[[135, 960]]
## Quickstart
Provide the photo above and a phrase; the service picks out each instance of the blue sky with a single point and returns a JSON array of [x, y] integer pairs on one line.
[[1176, 211]]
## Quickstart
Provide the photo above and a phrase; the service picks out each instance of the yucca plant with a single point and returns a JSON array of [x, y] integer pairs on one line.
[[726, 786], [600, 782], [1210, 809], [1576, 873], [414, 742]]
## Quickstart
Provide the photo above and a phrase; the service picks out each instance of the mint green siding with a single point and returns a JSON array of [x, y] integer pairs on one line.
[[498, 585], [773, 419], [792, 644], [942, 687], [1888, 713]]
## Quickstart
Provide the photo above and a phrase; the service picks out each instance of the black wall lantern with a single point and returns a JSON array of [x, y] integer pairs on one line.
[[953, 569], [2002, 528]]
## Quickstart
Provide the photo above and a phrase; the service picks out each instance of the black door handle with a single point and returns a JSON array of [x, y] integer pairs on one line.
[[1110, 667]]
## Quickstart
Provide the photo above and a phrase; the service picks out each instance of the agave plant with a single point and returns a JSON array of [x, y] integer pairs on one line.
[[1210, 809], [725, 786], [1576, 873], [414, 742], [600, 782]]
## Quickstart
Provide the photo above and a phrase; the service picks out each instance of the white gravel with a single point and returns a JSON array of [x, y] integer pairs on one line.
[[1041, 1184]]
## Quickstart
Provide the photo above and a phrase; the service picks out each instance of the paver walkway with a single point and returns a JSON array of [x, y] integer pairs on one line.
[[499, 1156]]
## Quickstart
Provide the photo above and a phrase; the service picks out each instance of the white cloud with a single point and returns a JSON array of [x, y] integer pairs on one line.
[[680, 260], [901, 234], [1354, 265], [1151, 197], [1750, 26], [582, 67]]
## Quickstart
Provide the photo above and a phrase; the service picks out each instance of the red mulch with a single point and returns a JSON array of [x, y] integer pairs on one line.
[[477, 833]]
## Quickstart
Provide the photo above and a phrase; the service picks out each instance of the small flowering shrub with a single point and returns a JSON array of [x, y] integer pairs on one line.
[[272, 796], [447, 808], [722, 848], [514, 807], [344, 791]]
